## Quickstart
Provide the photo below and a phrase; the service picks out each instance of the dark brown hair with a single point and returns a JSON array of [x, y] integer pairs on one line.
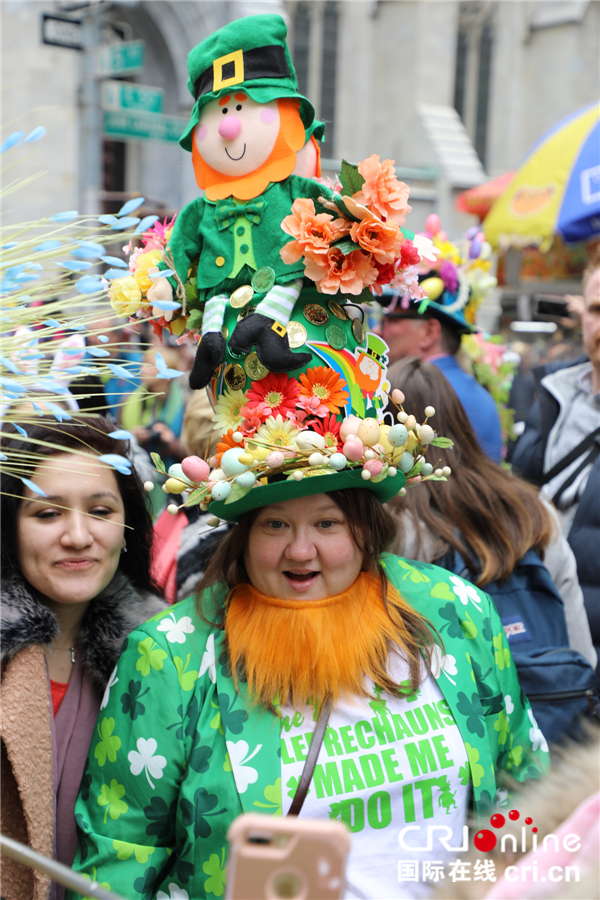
[[373, 529], [92, 435], [490, 517]]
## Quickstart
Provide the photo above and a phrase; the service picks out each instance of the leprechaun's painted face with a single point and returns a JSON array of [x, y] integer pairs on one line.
[[236, 135]]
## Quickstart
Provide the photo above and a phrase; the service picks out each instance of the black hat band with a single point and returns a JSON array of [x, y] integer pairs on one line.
[[240, 66]]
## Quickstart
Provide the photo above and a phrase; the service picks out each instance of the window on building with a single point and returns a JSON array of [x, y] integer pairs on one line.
[[329, 70], [483, 90], [300, 51], [460, 74]]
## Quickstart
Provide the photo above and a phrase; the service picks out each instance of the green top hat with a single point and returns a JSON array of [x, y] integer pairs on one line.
[[249, 54]]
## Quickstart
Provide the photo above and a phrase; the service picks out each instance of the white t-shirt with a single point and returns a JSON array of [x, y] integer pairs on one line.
[[384, 764]]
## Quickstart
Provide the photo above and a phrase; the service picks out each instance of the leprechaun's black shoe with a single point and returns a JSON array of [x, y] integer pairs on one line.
[[272, 348], [209, 356]]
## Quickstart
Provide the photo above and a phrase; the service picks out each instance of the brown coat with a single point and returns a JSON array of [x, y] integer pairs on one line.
[[28, 757], [27, 798]]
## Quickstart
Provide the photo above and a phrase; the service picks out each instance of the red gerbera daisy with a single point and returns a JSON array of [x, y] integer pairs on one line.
[[330, 429], [277, 390]]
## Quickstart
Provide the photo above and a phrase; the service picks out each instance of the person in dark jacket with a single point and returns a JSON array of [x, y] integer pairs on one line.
[[560, 447]]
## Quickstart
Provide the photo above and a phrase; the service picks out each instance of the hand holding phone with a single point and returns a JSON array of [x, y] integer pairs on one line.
[[292, 858]]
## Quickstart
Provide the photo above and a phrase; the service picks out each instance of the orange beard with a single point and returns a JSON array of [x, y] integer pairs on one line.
[[278, 166], [292, 650]]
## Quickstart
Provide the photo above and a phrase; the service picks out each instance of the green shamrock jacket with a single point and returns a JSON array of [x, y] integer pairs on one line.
[[178, 754], [226, 234]]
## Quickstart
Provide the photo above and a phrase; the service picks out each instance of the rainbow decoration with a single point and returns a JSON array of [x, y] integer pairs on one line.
[[346, 365]]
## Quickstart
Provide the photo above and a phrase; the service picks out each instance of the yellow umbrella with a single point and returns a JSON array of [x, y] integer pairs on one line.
[[555, 191]]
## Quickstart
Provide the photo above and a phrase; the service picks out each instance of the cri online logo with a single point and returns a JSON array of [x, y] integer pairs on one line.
[[485, 840]]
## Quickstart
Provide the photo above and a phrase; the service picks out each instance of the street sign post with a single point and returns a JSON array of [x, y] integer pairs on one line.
[[125, 58], [120, 95], [133, 125], [62, 32]]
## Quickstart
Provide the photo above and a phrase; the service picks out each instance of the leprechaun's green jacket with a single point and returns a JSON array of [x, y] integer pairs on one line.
[[169, 766], [225, 241]]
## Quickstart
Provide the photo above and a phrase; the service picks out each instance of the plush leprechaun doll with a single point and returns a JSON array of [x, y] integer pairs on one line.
[[249, 132]]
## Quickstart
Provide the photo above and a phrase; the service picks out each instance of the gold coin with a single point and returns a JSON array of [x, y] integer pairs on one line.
[[235, 377], [225, 331], [338, 310], [247, 311], [241, 296], [358, 331], [335, 336], [296, 334], [254, 368], [315, 314]]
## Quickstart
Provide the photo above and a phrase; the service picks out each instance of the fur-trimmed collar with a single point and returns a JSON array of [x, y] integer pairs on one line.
[[25, 620]]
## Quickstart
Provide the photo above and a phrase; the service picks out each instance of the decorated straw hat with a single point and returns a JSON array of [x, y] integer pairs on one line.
[[451, 289], [319, 428], [249, 54]]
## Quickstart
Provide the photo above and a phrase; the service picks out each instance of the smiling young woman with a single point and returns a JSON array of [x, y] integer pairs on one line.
[[70, 596]]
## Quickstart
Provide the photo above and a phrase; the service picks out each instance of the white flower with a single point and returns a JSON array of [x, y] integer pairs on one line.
[[427, 249], [465, 592], [208, 660], [535, 735], [176, 630], [244, 774], [143, 759], [175, 893], [111, 683], [509, 705], [445, 664]]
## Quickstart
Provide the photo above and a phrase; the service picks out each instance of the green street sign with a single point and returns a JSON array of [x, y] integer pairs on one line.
[[121, 59], [120, 95], [142, 126]]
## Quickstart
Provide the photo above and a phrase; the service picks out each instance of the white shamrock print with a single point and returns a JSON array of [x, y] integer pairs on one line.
[[175, 893], [111, 683], [244, 774], [465, 592], [176, 630], [208, 660], [143, 759], [445, 664], [535, 735], [509, 705]]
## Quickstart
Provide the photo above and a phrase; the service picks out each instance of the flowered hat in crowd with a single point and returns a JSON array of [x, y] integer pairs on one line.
[[451, 288]]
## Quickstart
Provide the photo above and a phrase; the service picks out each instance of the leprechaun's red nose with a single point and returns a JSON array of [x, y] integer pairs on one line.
[[230, 127]]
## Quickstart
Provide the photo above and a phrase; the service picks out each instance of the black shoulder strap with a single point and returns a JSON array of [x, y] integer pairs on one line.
[[311, 760], [574, 454]]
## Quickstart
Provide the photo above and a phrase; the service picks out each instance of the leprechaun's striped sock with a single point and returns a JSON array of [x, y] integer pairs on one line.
[[279, 302], [214, 312]]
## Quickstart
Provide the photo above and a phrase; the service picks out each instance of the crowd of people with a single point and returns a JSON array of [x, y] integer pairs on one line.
[[369, 615]]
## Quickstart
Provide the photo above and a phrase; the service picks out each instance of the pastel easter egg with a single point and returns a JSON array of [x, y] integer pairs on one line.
[[426, 469], [349, 426], [410, 423], [195, 469], [398, 397], [275, 459], [353, 450], [221, 490], [433, 223], [412, 441], [425, 433], [213, 462], [246, 479], [230, 462], [316, 459], [246, 459], [397, 436], [338, 461], [174, 486], [374, 466], [218, 475], [406, 463], [310, 440], [368, 431]]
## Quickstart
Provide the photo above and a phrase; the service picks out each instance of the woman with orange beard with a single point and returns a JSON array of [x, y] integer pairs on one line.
[[314, 675]]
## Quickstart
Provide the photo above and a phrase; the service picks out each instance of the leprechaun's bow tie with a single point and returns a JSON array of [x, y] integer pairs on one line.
[[227, 212]]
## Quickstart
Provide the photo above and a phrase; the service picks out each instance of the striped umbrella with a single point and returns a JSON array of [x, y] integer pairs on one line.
[[556, 189]]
